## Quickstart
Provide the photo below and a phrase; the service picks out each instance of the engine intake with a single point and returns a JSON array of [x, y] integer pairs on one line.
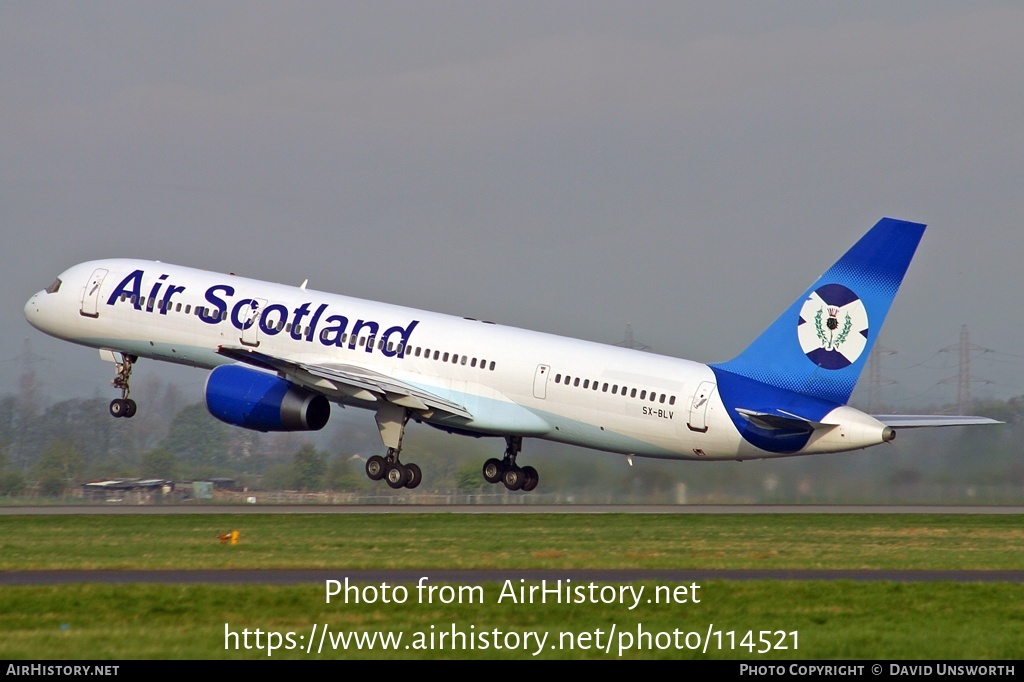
[[261, 401]]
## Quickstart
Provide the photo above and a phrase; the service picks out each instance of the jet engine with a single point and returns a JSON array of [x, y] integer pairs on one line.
[[261, 401]]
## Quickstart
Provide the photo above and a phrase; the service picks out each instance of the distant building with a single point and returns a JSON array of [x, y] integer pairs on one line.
[[129, 490]]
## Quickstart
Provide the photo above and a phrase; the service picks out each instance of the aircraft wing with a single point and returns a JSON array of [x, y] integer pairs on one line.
[[914, 421], [350, 380]]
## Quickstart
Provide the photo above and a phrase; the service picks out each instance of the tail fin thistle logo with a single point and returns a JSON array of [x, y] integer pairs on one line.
[[833, 327]]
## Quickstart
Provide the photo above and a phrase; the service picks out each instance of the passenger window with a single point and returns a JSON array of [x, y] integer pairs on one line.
[[437, 354], [492, 365], [576, 382], [586, 383], [643, 395], [661, 398], [473, 364], [188, 308], [463, 360], [672, 400], [445, 358]]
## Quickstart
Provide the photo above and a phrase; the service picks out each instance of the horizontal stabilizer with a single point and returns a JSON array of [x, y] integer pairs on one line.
[[915, 421], [780, 421]]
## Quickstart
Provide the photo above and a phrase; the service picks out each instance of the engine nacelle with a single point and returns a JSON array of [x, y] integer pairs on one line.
[[263, 402]]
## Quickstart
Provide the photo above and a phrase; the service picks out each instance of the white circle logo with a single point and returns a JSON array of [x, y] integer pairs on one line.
[[833, 327]]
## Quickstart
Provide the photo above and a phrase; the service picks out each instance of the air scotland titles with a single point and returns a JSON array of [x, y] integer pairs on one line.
[[306, 322]]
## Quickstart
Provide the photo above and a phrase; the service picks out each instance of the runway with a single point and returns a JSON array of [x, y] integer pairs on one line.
[[86, 510], [478, 577]]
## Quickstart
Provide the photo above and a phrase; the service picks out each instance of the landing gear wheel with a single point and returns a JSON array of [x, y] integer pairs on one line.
[[130, 408], [415, 476], [507, 471], [513, 478], [118, 408], [532, 478], [493, 470], [396, 475], [375, 468]]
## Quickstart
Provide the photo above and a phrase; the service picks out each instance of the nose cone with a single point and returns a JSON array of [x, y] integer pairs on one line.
[[32, 312], [40, 314]]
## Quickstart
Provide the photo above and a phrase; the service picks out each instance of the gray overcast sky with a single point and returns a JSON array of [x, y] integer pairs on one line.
[[686, 167]]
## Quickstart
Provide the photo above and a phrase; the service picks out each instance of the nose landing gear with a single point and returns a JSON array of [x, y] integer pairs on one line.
[[123, 406]]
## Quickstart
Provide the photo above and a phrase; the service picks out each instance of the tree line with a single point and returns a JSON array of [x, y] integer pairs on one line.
[[46, 449]]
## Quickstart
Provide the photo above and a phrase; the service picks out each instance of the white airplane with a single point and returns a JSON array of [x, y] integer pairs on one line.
[[281, 354]]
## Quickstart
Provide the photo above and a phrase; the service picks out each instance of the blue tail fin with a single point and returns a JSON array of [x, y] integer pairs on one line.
[[818, 347]]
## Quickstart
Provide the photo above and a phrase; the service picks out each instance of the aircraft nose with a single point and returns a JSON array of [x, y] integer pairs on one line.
[[33, 312]]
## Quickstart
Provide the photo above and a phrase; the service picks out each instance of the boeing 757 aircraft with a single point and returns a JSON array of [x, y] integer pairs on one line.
[[280, 355]]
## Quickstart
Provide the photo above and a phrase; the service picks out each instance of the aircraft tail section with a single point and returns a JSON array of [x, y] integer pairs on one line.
[[820, 344]]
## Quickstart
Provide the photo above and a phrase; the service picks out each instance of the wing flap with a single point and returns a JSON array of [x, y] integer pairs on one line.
[[354, 381]]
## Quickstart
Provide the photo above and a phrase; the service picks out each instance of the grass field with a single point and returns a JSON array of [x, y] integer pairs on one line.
[[840, 619]]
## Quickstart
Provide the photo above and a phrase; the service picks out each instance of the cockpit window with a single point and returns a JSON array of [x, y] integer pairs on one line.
[[55, 287]]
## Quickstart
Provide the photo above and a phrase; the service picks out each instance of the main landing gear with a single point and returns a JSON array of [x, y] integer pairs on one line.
[[396, 474], [508, 472], [123, 406], [391, 421]]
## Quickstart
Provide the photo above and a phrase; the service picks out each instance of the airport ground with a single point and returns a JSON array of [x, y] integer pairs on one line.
[[852, 585]]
